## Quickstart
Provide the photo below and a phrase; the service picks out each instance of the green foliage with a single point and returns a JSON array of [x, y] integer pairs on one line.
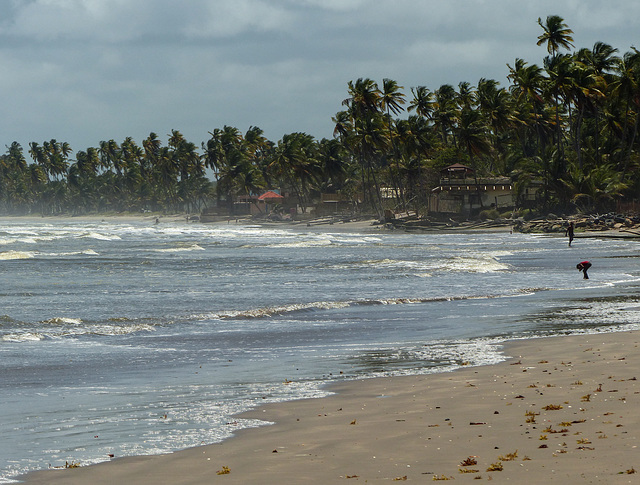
[[529, 214], [491, 214]]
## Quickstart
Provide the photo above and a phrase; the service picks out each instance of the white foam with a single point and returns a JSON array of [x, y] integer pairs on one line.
[[194, 247], [485, 264], [22, 337], [86, 252], [304, 244], [102, 237], [8, 255], [63, 321], [272, 311]]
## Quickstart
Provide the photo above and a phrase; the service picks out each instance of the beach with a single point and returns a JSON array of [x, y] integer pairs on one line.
[[559, 410], [133, 350]]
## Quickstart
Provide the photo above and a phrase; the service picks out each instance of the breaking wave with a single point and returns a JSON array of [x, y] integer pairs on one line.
[[193, 247], [65, 327], [429, 266], [9, 255], [268, 312], [101, 237]]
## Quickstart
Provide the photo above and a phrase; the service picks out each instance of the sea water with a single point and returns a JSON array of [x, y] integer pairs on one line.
[[129, 338]]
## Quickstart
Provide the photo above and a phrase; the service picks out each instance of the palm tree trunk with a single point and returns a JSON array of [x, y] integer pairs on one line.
[[630, 151]]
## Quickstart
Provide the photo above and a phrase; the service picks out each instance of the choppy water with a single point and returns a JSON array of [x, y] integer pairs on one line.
[[134, 338]]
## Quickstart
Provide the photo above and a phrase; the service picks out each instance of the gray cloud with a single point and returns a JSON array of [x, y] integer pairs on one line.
[[86, 70]]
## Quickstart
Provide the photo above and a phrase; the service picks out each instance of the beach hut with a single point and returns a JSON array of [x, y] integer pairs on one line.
[[269, 198]]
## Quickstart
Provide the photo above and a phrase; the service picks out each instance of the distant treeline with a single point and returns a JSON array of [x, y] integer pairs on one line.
[[570, 124]]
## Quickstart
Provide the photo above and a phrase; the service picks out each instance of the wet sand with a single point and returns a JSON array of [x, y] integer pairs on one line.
[[561, 410]]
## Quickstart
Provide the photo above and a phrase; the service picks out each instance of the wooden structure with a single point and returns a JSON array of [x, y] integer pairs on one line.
[[460, 192]]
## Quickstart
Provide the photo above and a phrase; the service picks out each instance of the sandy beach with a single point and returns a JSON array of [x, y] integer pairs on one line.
[[560, 410]]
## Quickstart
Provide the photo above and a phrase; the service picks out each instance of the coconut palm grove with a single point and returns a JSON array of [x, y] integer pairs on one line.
[[568, 125]]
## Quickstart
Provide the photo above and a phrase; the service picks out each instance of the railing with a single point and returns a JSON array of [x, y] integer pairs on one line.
[[472, 181]]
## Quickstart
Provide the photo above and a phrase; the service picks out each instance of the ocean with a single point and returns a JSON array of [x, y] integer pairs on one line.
[[127, 338]]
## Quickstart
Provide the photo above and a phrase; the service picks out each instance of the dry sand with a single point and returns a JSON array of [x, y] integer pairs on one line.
[[562, 410]]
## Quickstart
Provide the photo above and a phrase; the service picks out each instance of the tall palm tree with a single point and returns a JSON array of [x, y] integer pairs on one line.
[[445, 112], [560, 78], [556, 34], [364, 97], [466, 96], [601, 60], [472, 135], [258, 149], [526, 86], [627, 88], [391, 101], [367, 140], [225, 153], [39, 155], [495, 105], [110, 155], [422, 102], [584, 93], [296, 160]]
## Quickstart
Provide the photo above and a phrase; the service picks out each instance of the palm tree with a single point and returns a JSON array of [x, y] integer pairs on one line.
[[16, 156], [584, 92], [52, 156], [601, 61], [556, 34], [559, 69], [334, 158], [526, 86], [225, 153], [258, 149], [627, 89], [391, 101], [296, 160], [445, 111], [472, 135], [364, 98], [422, 102], [416, 141], [466, 96], [366, 138], [110, 156], [40, 157], [495, 106]]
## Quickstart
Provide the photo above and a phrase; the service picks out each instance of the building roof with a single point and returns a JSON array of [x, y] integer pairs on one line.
[[270, 195], [457, 167]]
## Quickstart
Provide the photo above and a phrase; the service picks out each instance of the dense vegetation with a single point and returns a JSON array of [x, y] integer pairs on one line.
[[570, 124]]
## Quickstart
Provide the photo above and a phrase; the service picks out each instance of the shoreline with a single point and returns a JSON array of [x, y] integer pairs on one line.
[[366, 226], [559, 409]]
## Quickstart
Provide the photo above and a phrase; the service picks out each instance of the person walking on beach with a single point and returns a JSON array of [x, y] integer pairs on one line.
[[569, 232], [584, 266]]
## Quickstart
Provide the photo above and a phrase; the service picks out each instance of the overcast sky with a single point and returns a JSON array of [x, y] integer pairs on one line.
[[83, 71]]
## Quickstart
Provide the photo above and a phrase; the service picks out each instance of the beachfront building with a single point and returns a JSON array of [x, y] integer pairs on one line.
[[333, 203], [460, 192], [255, 205], [271, 203]]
